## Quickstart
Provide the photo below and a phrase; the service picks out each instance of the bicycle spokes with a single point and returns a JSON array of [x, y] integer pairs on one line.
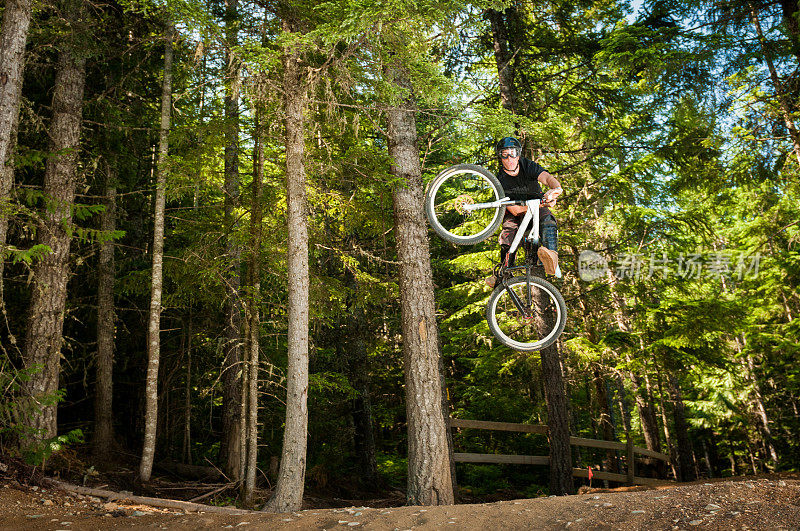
[[526, 315], [448, 199]]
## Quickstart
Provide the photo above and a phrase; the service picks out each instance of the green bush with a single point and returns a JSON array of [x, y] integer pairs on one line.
[[16, 435]]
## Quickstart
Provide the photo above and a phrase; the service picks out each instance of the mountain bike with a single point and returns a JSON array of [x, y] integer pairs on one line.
[[465, 205]]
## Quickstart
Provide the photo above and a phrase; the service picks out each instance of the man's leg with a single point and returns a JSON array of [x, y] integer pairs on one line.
[[510, 226], [548, 250], [504, 253]]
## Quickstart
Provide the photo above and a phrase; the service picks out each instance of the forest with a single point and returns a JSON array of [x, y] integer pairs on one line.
[[215, 254]]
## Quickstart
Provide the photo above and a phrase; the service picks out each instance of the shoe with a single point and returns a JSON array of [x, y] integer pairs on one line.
[[491, 281], [549, 260]]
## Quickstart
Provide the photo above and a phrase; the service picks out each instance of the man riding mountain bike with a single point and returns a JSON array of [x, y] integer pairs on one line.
[[521, 179]]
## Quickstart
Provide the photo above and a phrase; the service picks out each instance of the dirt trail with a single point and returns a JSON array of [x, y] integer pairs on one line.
[[741, 503]]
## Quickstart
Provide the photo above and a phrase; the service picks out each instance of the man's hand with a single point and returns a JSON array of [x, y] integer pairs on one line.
[[551, 196], [517, 210]]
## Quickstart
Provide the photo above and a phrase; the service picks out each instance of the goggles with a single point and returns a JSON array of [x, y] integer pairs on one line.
[[509, 153]]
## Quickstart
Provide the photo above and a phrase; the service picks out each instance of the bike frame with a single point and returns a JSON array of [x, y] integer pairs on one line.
[[531, 216]]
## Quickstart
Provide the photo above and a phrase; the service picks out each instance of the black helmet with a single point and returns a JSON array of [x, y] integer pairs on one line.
[[507, 143]]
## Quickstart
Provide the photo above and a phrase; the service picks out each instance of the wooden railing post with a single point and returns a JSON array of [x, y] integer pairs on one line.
[[631, 460], [628, 478]]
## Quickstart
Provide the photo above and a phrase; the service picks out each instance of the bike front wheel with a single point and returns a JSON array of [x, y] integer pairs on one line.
[[455, 188], [526, 318]]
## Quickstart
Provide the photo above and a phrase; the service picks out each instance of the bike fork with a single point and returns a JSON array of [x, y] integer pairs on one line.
[[522, 306]]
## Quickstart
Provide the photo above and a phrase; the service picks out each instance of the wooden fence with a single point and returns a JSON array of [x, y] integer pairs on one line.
[[630, 450]]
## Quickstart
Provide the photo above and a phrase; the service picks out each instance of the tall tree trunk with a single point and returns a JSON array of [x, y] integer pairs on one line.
[[361, 406], [758, 401], [646, 405], [362, 422], [642, 393], [557, 414], [623, 403], [647, 414], [354, 350], [671, 449], [552, 375], [429, 477], [681, 430], [157, 278], [13, 36], [707, 459], [232, 447], [44, 333], [780, 91], [187, 398], [102, 442], [288, 494], [790, 9], [606, 424], [503, 57], [253, 301]]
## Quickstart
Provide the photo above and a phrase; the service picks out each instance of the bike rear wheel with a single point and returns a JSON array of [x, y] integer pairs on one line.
[[532, 328], [455, 187]]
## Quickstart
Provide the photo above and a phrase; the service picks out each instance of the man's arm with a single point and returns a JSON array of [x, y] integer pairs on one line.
[[554, 191]]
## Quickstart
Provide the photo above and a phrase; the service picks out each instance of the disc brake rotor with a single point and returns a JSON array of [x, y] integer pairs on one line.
[[462, 200]]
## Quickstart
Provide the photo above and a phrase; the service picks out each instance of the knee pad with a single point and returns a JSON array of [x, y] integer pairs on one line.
[[550, 236]]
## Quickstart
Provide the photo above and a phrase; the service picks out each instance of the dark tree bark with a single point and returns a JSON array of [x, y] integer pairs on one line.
[[187, 397], [606, 424], [643, 395], [288, 494], [557, 414], [364, 439], [361, 406], [784, 100], [757, 397], [232, 447], [13, 36], [647, 413], [102, 442], [157, 277], [684, 445], [44, 334], [623, 403], [429, 477], [671, 449], [789, 9], [503, 58]]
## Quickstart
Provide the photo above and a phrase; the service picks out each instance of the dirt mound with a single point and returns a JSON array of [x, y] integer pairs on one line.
[[766, 502]]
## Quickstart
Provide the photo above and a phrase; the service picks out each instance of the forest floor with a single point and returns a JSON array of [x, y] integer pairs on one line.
[[749, 502]]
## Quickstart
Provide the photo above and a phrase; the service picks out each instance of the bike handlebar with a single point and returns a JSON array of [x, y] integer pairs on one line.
[[494, 204]]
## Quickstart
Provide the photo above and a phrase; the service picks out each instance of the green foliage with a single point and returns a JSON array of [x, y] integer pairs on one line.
[[393, 469], [42, 450], [331, 383], [17, 406], [27, 256]]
